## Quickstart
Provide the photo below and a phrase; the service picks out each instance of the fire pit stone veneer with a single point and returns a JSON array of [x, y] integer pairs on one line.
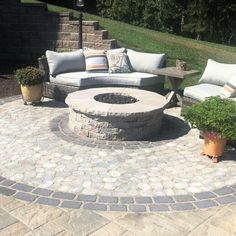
[[115, 113]]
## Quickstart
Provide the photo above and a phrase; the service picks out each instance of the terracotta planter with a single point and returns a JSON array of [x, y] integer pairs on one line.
[[213, 147], [32, 94]]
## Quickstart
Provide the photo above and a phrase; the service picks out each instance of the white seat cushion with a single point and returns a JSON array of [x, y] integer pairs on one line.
[[201, 91], [81, 79]]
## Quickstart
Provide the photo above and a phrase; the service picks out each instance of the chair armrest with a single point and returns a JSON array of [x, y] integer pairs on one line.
[[43, 65]]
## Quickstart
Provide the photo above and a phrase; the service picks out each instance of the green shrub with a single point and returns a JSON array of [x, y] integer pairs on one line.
[[214, 115], [29, 76]]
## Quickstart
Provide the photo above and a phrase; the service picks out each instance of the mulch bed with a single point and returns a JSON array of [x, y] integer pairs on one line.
[[9, 86]]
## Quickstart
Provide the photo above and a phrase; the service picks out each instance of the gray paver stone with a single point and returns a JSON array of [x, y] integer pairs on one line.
[[42, 191], [126, 200], [137, 208], [233, 186], [95, 206], [204, 195], [224, 191], [143, 200], [25, 196], [108, 199], [182, 206], [87, 198], [8, 182], [118, 207], [23, 187], [160, 207], [205, 204], [184, 198], [63, 195], [71, 204], [226, 199], [1, 178], [48, 201], [163, 199], [6, 191]]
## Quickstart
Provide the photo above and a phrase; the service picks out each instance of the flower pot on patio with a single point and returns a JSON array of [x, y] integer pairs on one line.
[[216, 117], [31, 80], [32, 93], [214, 145]]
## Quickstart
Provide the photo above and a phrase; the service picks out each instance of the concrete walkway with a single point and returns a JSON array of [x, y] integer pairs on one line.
[[22, 218]]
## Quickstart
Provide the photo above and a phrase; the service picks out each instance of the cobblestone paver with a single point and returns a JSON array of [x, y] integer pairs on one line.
[[43, 162]]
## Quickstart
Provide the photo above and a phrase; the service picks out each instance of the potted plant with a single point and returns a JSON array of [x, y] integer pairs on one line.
[[31, 81], [216, 118]]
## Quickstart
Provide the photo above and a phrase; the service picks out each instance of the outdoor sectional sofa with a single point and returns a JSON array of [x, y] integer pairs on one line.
[[67, 72], [218, 79]]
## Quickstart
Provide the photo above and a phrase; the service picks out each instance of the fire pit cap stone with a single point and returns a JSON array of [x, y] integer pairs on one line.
[[145, 101]]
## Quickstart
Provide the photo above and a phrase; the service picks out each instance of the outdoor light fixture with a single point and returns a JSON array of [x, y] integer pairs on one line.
[[79, 4]]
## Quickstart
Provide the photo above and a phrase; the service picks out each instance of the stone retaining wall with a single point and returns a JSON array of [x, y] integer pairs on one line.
[[27, 30]]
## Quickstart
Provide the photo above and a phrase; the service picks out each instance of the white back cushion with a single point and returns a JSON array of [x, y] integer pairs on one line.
[[145, 62], [218, 73], [62, 62]]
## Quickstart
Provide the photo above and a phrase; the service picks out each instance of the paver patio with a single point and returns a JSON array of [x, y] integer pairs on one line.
[[43, 163], [22, 218]]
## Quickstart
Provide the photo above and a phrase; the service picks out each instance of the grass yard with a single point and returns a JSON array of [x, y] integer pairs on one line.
[[194, 52]]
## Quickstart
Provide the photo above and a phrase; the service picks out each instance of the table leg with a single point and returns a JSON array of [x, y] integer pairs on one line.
[[174, 97]]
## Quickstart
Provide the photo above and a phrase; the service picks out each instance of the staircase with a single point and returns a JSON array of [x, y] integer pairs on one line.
[[28, 30]]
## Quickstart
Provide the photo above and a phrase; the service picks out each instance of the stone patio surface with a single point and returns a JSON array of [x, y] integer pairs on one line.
[[43, 161], [20, 218]]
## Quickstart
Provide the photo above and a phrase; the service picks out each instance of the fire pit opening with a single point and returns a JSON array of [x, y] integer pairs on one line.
[[115, 98]]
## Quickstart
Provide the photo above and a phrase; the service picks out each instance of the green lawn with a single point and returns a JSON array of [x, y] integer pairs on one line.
[[194, 52]]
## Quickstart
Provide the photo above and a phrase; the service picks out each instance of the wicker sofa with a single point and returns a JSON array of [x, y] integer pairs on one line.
[[218, 79], [59, 85]]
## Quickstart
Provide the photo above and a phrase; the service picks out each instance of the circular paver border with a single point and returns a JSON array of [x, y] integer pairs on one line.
[[138, 204]]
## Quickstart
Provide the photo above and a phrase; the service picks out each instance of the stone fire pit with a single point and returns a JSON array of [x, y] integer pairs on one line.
[[115, 113]]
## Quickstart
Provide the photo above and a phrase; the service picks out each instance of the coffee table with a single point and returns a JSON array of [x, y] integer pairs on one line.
[[176, 77]]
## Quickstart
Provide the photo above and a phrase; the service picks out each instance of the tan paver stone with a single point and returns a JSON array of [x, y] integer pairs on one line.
[[112, 215], [164, 224], [66, 233], [36, 215], [111, 229], [82, 222], [128, 233], [6, 219], [9, 203], [17, 229], [29, 234], [49, 229], [149, 224], [225, 220], [209, 230]]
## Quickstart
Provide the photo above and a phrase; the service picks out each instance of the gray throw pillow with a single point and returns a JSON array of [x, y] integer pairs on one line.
[[145, 62], [63, 62]]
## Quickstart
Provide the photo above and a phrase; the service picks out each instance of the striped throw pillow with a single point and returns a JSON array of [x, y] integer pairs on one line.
[[229, 89], [96, 60]]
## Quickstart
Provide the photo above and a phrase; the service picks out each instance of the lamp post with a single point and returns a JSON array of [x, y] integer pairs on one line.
[[80, 4]]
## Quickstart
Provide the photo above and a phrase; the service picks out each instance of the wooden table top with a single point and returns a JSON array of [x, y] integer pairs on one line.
[[172, 72]]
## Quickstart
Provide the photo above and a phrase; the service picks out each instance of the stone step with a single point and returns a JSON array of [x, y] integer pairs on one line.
[[105, 44]]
